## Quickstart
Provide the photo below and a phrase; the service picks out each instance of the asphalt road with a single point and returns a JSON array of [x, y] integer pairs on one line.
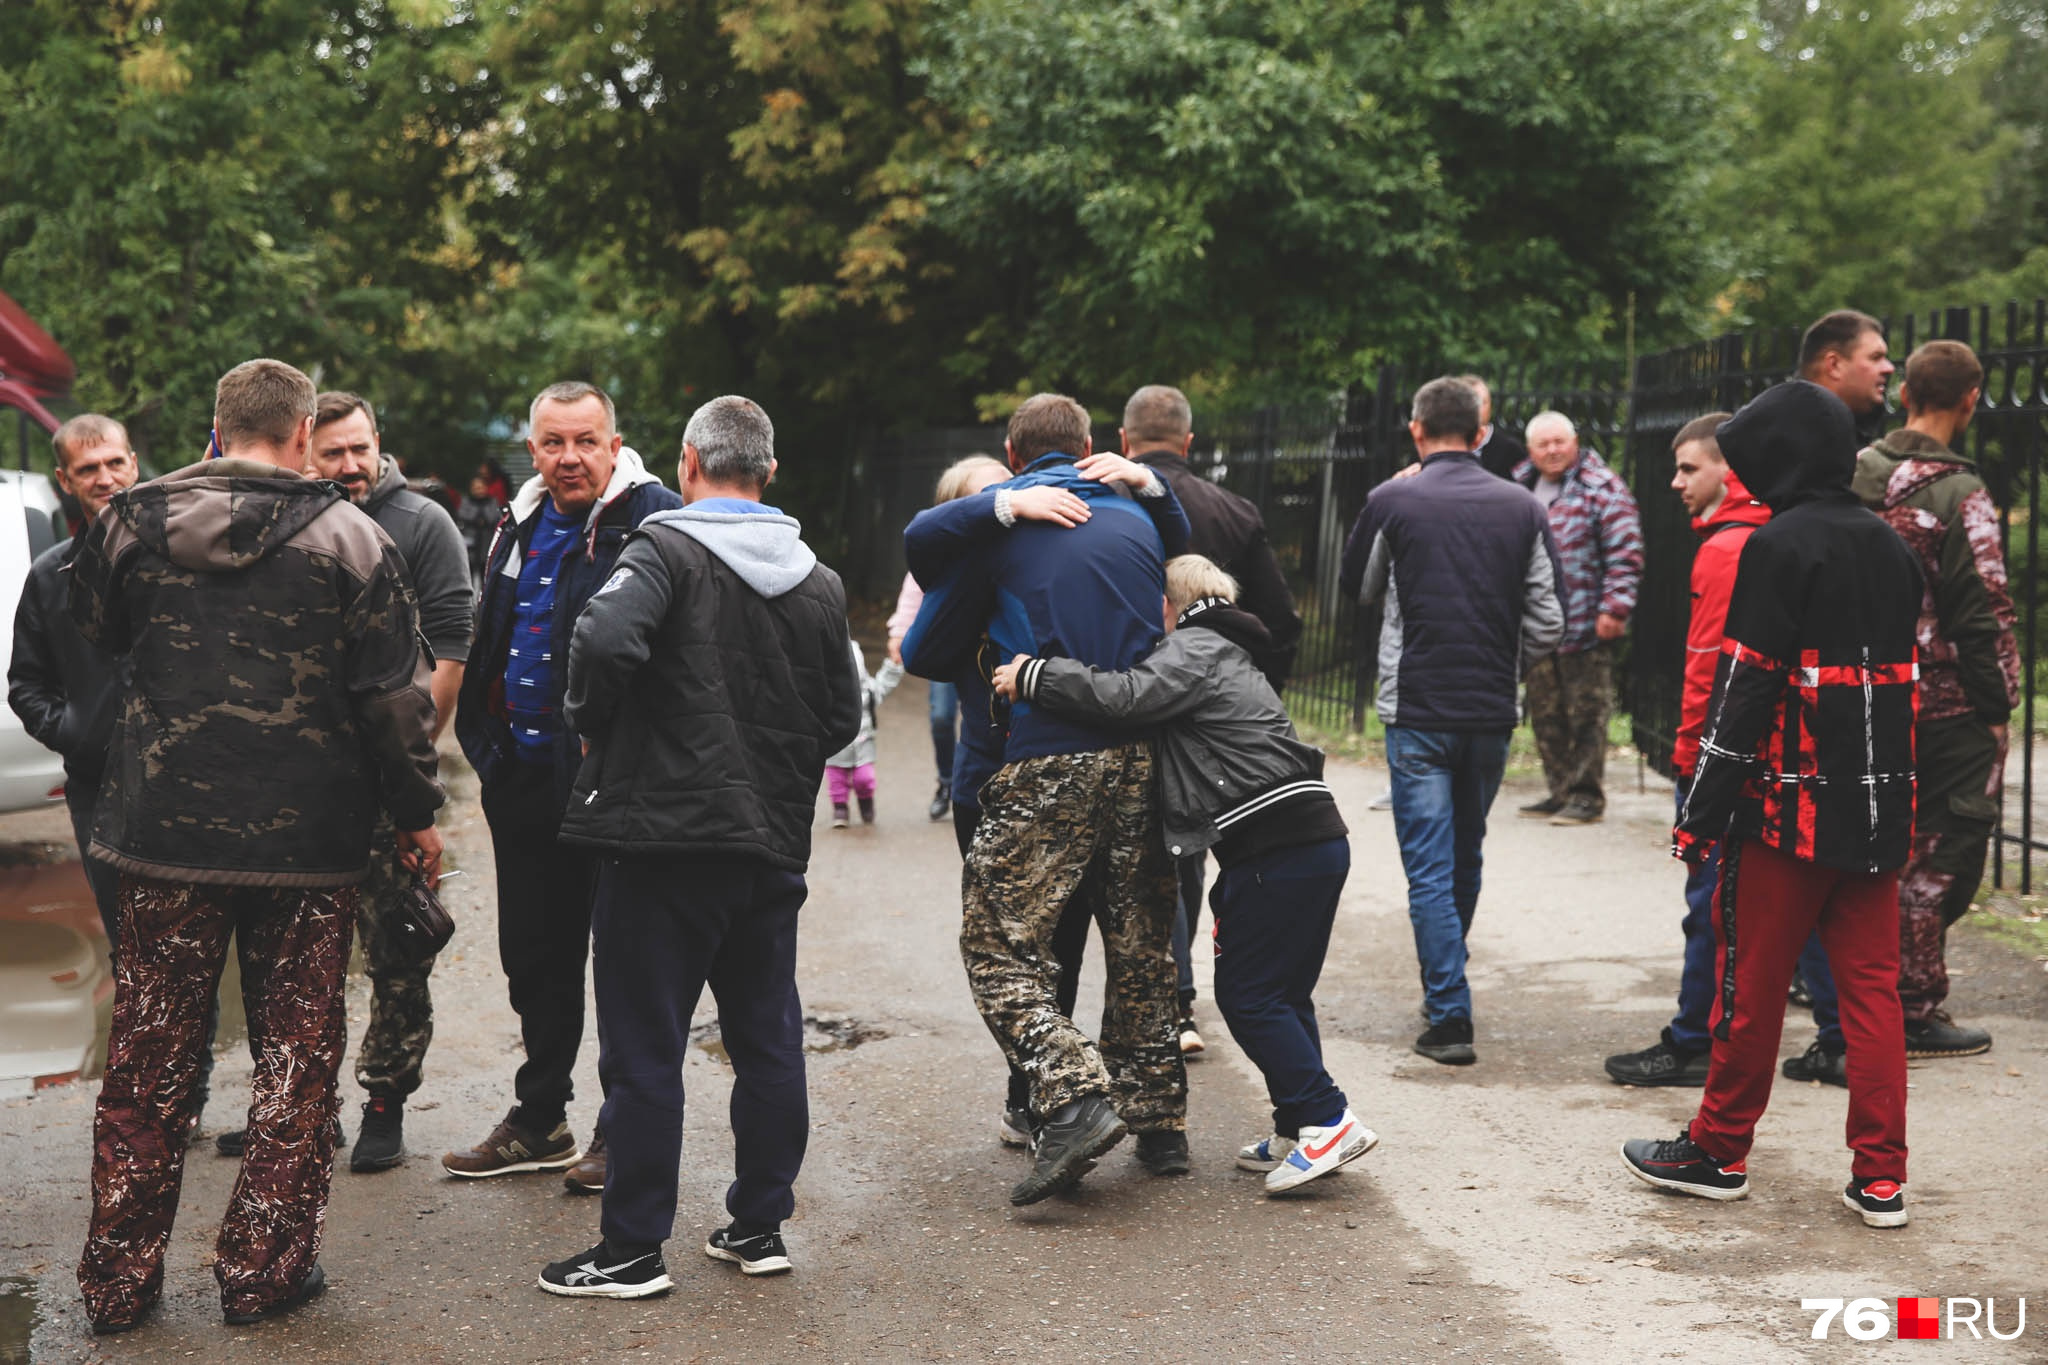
[[1493, 1222]]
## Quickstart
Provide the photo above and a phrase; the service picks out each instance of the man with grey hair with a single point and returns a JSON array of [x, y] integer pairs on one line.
[[559, 540], [1464, 566], [1599, 536], [709, 678]]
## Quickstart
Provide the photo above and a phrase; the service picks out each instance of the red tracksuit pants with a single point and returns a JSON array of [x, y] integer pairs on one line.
[[1777, 902]]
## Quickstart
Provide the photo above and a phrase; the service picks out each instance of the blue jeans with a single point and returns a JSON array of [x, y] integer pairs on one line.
[[1820, 984], [1444, 784], [945, 702], [1696, 979], [1273, 915]]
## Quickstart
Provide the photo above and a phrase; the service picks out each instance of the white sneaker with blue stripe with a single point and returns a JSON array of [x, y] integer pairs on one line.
[[1319, 1151]]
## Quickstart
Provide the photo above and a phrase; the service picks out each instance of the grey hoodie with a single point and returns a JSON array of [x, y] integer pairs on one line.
[[765, 549], [435, 561]]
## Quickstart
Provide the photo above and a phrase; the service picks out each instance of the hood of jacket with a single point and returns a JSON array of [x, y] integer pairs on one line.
[[1906, 445], [765, 549], [390, 479], [1227, 619], [219, 516], [1790, 444], [1739, 507], [628, 473]]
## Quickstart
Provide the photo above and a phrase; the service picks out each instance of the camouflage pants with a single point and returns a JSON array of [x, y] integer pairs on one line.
[[1570, 696], [401, 1009], [294, 952], [1052, 829], [1959, 764]]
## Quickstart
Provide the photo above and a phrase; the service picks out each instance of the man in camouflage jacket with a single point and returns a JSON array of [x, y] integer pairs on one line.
[[1930, 493], [276, 698]]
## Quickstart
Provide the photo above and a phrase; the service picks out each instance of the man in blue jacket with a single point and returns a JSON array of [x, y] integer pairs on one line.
[[1072, 813], [555, 547], [1465, 565]]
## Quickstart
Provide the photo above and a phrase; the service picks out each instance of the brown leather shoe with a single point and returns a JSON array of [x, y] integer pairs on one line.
[[513, 1147], [587, 1175]]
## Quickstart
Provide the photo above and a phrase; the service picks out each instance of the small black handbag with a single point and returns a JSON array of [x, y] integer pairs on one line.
[[420, 925]]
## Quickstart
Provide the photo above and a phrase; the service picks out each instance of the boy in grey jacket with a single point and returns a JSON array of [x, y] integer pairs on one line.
[[1233, 777]]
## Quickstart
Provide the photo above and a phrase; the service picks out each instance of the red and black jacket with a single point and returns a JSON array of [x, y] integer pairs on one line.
[[1722, 533], [1809, 740]]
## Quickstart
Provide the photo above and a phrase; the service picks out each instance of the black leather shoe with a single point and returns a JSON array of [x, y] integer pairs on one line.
[[1940, 1036], [1163, 1153], [1068, 1143], [1449, 1042], [942, 802], [312, 1287]]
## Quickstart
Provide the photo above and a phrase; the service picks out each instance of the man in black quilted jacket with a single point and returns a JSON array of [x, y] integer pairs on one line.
[[709, 678]]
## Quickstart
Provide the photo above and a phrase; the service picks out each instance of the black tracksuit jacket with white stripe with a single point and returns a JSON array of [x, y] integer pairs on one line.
[[1227, 754]]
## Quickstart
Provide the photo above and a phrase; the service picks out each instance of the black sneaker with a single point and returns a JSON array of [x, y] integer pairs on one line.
[[942, 802], [312, 1287], [1660, 1064], [1881, 1202], [1940, 1036], [1817, 1063], [1069, 1140], [1535, 810], [759, 1253], [380, 1143], [233, 1143], [1449, 1042], [1163, 1153], [1579, 811], [1681, 1165], [867, 810], [599, 1274]]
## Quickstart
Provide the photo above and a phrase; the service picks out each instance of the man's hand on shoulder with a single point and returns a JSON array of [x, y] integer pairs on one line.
[[1103, 467]]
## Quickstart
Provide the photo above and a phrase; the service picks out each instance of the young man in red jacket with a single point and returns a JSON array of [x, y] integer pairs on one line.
[[1723, 515], [1805, 779]]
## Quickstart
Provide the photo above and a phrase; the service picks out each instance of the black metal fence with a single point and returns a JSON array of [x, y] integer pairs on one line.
[[1310, 469]]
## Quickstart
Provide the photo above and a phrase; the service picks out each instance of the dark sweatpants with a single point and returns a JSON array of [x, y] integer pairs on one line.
[[1273, 918], [543, 933], [662, 929]]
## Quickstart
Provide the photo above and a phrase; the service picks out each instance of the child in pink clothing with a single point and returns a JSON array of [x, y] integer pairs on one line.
[[851, 771]]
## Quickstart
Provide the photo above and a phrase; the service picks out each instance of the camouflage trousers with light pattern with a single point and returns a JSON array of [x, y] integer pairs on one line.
[[1052, 829], [293, 945]]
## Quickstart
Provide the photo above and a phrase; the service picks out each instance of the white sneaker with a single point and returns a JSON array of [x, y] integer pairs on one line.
[[1319, 1151], [1190, 1038], [1265, 1154], [1384, 801], [1014, 1128]]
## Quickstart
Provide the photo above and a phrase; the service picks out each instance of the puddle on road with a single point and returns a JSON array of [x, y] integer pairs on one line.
[[17, 1318], [822, 1033]]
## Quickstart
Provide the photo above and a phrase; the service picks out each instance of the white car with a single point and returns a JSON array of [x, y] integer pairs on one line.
[[31, 521]]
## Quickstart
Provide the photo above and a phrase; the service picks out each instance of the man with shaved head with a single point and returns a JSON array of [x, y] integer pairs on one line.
[[1599, 538], [1229, 531]]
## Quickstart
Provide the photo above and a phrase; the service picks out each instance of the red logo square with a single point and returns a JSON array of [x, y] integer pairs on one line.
[[1919, 1319]]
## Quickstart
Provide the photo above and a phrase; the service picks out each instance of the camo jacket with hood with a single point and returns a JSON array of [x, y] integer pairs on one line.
[[277, 684]]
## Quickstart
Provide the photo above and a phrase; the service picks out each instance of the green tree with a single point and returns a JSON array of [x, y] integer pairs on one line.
[[1262, 198]]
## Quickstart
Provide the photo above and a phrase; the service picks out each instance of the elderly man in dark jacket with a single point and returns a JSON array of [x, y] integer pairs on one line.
[[557, 543], [710, 676], [1805, 780], [61, 685], [276, 698]]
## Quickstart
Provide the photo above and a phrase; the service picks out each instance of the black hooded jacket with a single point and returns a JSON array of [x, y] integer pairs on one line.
[[1809, 739]]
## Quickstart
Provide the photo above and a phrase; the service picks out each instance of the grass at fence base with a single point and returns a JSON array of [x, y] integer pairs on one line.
[[2018, 921], [1369, 745]]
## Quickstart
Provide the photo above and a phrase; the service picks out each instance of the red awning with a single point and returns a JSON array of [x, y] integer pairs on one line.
[[31, 356]]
